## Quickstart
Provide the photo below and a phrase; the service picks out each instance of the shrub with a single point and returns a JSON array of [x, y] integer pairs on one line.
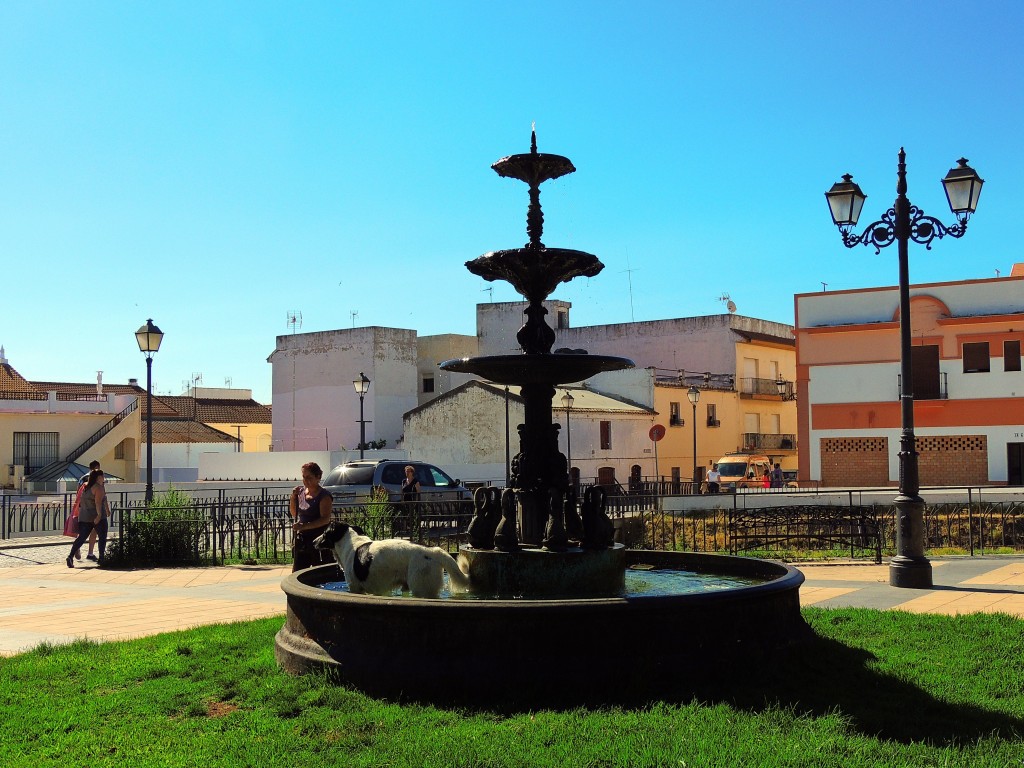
[[168, 530]]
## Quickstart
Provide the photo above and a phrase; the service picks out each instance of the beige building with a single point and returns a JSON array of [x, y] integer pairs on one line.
[[51, 431]]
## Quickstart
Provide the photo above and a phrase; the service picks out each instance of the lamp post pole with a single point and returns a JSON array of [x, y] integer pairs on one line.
[[901, 224], [567, 401], [693, 395], [362, 386], [149, 338]]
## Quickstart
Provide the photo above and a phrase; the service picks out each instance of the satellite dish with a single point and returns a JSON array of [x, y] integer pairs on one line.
[[731, 306]]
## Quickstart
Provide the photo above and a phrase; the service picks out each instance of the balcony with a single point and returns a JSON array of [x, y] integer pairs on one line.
[[763, 388], [935, 387], [756, 441]]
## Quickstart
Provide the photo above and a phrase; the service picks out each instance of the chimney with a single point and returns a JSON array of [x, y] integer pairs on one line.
[[133, 382]]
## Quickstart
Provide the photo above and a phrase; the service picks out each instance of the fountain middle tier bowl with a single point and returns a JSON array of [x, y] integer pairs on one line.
[[554, 368], [529, 653]]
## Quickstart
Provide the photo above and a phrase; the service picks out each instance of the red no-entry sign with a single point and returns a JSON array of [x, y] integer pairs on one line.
[[657, 432]]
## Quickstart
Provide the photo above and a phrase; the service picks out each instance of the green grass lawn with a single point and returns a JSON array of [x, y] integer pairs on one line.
[[873, 689]]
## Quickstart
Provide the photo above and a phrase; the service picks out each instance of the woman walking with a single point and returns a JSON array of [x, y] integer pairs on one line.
[[93, 512]]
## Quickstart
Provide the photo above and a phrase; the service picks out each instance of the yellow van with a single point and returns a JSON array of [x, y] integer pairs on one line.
[[742, 470]]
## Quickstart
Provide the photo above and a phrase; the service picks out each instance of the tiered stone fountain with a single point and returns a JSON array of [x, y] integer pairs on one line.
[[551, 612]]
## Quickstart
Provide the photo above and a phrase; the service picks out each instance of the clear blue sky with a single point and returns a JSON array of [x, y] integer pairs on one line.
[[217, 165]]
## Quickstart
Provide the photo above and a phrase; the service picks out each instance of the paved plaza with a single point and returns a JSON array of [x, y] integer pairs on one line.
[[42, 600]]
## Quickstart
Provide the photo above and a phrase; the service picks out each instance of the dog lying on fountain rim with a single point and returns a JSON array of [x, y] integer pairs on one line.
[[379, 567]]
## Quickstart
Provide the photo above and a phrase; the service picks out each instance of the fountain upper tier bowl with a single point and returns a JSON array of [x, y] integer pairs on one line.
[[553, 368]]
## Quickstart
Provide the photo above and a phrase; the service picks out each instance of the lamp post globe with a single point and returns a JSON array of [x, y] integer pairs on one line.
[[149, 338]]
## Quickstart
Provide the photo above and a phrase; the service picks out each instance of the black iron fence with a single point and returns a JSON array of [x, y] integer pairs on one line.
[[260, 529], [257, 527]]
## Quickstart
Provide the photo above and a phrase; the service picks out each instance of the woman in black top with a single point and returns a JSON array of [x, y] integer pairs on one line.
[[310, 507]]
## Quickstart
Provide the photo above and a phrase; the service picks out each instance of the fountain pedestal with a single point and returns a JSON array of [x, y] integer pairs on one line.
[[533, 572]]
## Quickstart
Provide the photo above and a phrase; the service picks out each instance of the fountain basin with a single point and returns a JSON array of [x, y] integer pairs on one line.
[[511, 653]]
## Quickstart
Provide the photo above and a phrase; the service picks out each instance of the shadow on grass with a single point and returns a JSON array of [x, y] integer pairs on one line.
[[826, 676], [819, 677]]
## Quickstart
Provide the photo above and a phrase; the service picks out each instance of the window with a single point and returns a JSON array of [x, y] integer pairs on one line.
[[674, 417], [428, 383], [563, 319], [713, 416], [924, 360], [34, 450], [976, 357], [1011, 355], [606, 435]]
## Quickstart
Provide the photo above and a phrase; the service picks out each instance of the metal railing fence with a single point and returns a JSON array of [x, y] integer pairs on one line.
[[258, 526]]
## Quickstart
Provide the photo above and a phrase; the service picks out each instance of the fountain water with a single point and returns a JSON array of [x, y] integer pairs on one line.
[[530, 543]]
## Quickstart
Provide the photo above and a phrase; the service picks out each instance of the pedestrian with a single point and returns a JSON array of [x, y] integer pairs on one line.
[[410, 497], [766, 479], [310, 507], [74, 510], [93, 512], [713, 478], [777, 476]]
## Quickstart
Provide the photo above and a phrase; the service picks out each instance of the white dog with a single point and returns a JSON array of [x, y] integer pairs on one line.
[[379, 567]]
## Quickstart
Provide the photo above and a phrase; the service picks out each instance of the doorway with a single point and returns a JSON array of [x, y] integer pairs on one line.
[[1015, 463]]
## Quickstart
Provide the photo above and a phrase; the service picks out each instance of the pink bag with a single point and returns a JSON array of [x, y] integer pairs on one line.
[[71, 526]]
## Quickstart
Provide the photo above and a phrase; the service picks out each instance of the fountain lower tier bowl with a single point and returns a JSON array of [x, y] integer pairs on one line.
[[554, 368], [529, 653]]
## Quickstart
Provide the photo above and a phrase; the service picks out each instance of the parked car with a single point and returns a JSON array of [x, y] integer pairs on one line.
[[742, 470], [355, 480]]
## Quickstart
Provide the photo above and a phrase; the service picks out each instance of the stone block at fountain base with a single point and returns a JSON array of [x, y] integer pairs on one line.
[[539, 573]]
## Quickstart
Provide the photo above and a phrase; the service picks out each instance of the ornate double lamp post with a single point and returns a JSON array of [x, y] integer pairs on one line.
[[149, 338], [901, 224], [693, 395], [362, 386]]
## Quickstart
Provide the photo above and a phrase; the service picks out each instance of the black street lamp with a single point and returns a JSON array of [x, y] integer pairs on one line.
[[149, 338], [567, 401], [785, 390], [362, 386], [693, 395], [901, 224]]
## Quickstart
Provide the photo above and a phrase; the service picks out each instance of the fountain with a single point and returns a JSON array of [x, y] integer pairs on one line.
[[556, 615]]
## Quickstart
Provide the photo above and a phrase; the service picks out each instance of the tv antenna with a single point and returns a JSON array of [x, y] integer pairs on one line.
[[294, 320], [490, 289], [729, 303], [629, 277], [353, 314], [227, 382]]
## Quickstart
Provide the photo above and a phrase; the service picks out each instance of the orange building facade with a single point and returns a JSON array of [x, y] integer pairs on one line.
[[968, 384]]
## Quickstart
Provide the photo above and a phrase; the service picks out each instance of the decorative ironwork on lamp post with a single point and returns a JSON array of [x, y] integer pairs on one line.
[[901, 224], [693, 395], [362, 386], [149, 338]]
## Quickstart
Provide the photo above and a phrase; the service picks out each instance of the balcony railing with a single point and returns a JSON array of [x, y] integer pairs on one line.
[[757, 441], [939, 390], [757, 387]]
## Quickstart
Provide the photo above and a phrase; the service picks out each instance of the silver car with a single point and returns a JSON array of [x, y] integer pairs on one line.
[[355, 480]]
